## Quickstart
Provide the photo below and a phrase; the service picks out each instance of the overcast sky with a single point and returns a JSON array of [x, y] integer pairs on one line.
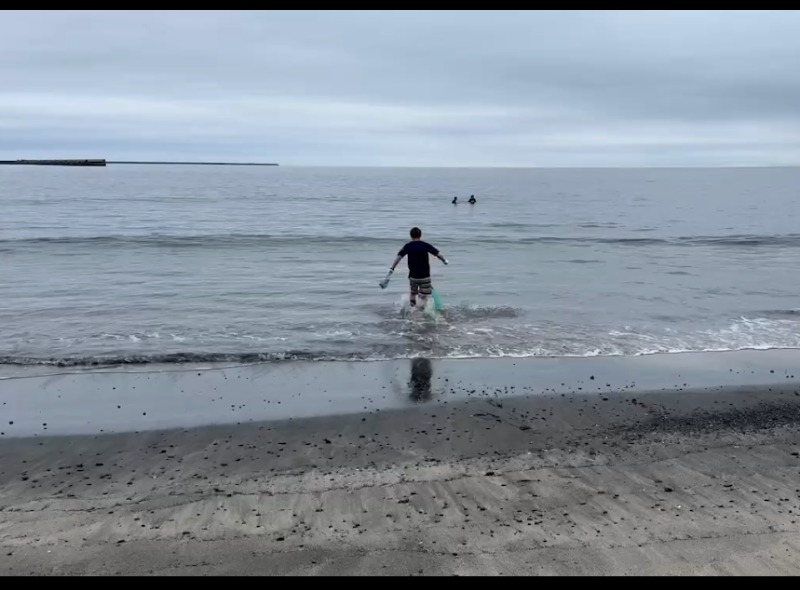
[[404, 88]]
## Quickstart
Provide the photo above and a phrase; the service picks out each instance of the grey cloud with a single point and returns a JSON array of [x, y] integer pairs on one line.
[[404, 87]]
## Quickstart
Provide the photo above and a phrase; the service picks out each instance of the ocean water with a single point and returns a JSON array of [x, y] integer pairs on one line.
[[164, 264]]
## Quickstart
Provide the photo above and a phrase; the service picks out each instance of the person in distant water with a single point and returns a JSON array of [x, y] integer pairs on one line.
[[419, 268], [472, 200], [455, 200]]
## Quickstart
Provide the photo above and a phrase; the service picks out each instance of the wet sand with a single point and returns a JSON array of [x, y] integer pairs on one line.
[[690, 480], [152, 397]]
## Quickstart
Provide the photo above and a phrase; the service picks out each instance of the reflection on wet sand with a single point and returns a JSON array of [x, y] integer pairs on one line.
[[420, 381]]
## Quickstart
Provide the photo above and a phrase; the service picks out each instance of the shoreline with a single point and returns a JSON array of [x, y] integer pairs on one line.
[[466, 467], [664, 483], [152, 397]]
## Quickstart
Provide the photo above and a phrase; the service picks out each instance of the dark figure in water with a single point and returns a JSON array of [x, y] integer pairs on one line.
[[472, 200], [419, 268], [455, 200]]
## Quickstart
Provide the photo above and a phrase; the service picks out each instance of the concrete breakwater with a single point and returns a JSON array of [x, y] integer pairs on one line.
[[89, 162], [102, 162]]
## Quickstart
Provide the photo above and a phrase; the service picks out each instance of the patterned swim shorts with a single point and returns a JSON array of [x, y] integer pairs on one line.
[[421, 286]]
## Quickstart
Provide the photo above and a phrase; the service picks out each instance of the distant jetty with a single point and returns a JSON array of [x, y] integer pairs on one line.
[[55, 162], [100, 162], [195, 163]]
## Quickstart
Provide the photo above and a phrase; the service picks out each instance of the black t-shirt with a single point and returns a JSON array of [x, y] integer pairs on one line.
[[418, 264]]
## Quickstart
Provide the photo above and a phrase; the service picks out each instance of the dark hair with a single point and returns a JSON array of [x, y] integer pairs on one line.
[[416, 233]]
